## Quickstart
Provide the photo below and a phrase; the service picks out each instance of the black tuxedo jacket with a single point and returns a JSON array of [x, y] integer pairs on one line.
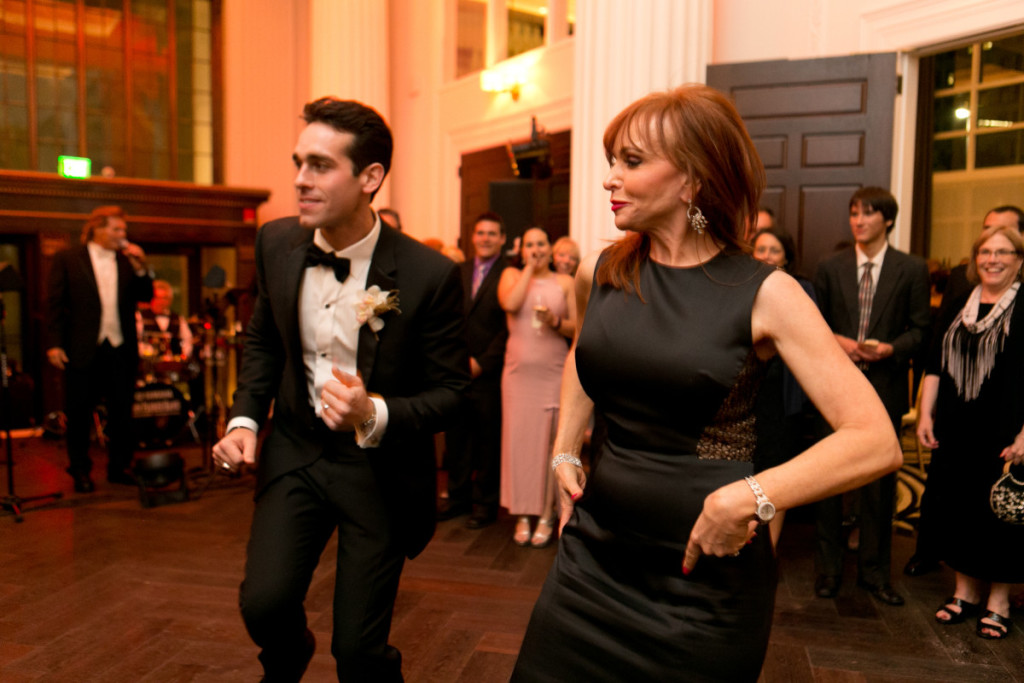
[[900, 315], [486, 324], [73, 306], [417, 363]]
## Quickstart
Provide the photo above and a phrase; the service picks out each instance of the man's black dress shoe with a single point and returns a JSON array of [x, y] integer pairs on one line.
[[452, 510], [115, 477], [83, 482], [919, 566], [481, 517], [883, 593], [826, 586]]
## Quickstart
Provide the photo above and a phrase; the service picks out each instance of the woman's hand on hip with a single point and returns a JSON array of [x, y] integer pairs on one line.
[[725, 525], [571, 481]]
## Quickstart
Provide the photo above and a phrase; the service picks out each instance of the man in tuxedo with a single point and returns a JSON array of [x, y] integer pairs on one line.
[[162, 331], [356, 338], [474, 442], [91, 296], [876, 301]]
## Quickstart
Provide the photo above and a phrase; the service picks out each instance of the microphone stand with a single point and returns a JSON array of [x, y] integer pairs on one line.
[[12, 501]]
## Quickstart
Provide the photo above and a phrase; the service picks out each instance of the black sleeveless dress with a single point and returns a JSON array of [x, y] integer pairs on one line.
[[674, 382]]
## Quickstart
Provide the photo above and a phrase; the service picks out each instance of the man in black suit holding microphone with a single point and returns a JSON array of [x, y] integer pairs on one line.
[[91, 298], [357, 339]]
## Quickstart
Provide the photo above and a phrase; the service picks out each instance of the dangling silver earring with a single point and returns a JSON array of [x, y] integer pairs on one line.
[[696, 218]]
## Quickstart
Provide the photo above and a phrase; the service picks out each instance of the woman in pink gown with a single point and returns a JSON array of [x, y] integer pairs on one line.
[[541, 312]]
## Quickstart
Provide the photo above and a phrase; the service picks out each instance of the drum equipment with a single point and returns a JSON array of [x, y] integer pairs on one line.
[[159, 413]]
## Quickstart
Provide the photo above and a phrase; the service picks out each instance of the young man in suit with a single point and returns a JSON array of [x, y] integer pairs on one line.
[[876, 300], [474, 443], [357, 339], [91, 297]]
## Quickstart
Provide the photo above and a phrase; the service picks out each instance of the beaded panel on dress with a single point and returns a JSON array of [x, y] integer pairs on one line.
[[732, 434]]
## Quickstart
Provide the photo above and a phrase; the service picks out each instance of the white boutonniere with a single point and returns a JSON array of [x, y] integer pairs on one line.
[[373, 303]]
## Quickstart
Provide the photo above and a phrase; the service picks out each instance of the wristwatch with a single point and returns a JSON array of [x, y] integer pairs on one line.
[[765, 510]]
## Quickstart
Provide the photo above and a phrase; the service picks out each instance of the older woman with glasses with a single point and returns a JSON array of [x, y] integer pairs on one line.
[[972, 416]]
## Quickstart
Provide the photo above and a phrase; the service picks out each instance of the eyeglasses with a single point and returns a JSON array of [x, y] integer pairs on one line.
[[998, 253]]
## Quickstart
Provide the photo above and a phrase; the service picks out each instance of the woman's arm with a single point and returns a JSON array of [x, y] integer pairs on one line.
[[575, 406], [862, 448], [512, 288], [564, 326], [926, 414]]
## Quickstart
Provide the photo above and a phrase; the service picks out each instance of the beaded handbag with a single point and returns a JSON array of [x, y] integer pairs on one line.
[[1007, 498]]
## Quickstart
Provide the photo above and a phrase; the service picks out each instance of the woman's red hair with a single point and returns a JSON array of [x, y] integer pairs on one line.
[[699, 131]]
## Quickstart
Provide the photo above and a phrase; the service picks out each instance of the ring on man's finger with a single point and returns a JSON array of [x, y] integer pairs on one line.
[[226, 465], [736, 554]]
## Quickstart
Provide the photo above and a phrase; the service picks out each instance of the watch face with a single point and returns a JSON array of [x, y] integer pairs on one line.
[[765, 512]]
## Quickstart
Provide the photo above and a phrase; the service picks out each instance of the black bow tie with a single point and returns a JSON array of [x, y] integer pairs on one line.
[[315, 256]]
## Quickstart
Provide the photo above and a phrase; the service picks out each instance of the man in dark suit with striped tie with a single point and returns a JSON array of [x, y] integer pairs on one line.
[[876, 300], [474, 444]]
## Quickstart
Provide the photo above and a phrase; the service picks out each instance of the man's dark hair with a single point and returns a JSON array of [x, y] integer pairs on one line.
[[877, 199], [1011, 208], [372, 142], [491, 216]]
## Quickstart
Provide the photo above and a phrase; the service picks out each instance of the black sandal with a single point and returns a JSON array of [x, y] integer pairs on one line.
[[1000, 625], [967, 610]]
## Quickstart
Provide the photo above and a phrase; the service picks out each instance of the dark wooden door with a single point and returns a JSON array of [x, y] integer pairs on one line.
[[823, 128]]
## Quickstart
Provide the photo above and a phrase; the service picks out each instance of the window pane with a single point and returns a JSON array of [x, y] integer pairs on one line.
[[949, 155], [525, 26], [952, 112], [471, 41], [1002, 59], [953, 68], [1001, 107], [999, 149]]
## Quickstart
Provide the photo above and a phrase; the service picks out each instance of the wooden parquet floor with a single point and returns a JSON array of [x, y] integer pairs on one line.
[[97, 588]]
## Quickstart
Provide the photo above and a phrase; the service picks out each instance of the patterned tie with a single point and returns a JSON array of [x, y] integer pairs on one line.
[[478, 277], [315, 256], [864, 302]]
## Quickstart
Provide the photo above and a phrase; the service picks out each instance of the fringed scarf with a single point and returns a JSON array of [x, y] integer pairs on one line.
[[969, 346]]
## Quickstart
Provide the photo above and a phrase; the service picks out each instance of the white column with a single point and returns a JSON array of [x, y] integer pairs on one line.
[[556, 24], [624, 50], [497, 32], [349, 55]]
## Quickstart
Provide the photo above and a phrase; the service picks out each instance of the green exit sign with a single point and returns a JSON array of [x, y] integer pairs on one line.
[[74, 167]]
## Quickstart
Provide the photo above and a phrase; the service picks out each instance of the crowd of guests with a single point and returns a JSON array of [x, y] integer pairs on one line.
[[728, 388]]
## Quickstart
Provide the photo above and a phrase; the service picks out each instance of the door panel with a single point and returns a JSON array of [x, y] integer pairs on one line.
[[823, 129]]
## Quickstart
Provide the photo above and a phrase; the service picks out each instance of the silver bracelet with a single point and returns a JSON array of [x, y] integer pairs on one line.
[[566, 457]]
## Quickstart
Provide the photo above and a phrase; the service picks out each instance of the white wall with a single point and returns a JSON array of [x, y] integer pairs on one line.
[[266, 82], [434, 121]]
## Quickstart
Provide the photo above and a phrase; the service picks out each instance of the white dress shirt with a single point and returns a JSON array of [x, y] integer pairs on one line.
[[328, 328], [104, 267], [876, 269]]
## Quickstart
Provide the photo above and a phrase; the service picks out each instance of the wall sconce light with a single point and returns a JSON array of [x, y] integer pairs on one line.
[[505, 77]]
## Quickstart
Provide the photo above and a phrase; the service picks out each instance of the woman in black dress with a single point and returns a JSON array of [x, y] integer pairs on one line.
[[661, 573], [972, 414]]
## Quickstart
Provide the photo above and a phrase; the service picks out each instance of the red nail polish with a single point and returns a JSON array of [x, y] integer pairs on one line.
[[576, 496], [686, 571]]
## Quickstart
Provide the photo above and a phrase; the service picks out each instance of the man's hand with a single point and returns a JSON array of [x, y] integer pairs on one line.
[[135, 254], [874, 351], [238, 447], [850, 347], [57, 357], [344, 403]]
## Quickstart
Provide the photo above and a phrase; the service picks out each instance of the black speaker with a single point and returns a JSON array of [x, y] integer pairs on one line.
[[513, 201]]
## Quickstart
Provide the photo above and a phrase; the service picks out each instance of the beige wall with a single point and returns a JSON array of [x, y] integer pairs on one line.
[[435, 121]]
